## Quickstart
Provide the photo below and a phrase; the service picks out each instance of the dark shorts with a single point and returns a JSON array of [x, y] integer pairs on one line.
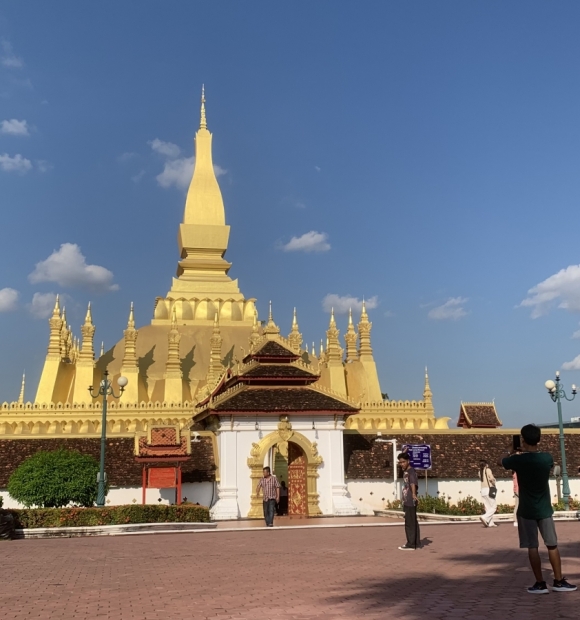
[[528, 531]]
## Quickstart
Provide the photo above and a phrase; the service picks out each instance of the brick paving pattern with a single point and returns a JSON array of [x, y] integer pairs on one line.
[[464, 571]]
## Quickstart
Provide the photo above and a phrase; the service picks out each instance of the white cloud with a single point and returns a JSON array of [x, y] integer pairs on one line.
[[8, 58], [342, 304], [68, 268], [309, 242], [15, 164], [15, 127], [43, 165], [167, 149], [42, 305], [452, 310], [573, 365], [576, 334], [176, 172], [8, 299], [125, 157], [563, 289], [136, 178]]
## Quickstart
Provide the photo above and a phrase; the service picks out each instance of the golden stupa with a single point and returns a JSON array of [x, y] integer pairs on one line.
[[202, 328]]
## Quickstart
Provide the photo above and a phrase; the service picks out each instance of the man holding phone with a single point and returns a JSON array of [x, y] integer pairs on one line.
[[535, 511]]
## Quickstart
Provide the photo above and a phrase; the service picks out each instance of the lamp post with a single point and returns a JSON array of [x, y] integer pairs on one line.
[[556, 391], [105, 390]]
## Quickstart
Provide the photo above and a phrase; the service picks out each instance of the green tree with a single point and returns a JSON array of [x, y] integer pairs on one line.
[[55, 479]]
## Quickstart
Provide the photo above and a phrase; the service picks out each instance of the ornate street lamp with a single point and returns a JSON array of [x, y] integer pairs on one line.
[[105, 390], [556, 391]]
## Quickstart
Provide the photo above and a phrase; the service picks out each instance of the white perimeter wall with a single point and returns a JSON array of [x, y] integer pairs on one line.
[[196, 492], [371, 495]]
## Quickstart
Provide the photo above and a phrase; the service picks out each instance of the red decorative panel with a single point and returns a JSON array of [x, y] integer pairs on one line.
[[297, 488], [163, 436], [162, 477]]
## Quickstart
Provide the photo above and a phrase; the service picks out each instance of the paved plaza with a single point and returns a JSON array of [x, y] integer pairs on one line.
[[463, 571]]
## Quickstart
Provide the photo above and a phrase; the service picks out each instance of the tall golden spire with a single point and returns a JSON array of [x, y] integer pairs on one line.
[[203, 235], [334, 351], [364, 332], [204, 203], [21, 395], [55, 323], [295, 337], [428, 395], [130, 334], [87, 352], [203, 120], [350, 339]]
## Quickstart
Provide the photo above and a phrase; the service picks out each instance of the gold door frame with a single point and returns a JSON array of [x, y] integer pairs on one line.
[[280, 438]]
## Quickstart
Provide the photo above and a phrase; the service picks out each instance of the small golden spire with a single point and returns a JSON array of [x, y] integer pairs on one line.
[[173, 319], [350, 316], [350, 338], [21, 396], [131, 321], [102, 348], [203, 121], [271, 327], [89, 316], [306, 349], [332, 319], [295, 337], [56, 311]]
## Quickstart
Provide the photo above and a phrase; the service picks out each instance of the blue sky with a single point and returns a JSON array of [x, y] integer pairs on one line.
[[428, 151]]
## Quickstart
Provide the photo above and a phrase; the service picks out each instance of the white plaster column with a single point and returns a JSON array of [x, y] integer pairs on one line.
[[226, 508], [341, 502]]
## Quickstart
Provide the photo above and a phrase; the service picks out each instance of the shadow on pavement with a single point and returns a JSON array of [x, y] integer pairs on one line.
[[490, 585]]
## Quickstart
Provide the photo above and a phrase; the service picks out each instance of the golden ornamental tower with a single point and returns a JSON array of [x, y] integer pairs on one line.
[[428, 396], [215, 363], [255, 336], [130, 366], [271, 328], [365, 354], [334, 364], [85, 362], [173, 375], [295, 337], [202, 286], [350, 340]]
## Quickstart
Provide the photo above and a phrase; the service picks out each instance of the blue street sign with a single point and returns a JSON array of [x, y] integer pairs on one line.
[[419, 455]]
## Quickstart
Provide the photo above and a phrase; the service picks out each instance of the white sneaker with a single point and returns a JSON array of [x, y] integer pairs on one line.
[[491, 524], [515, 523], [483, 521]]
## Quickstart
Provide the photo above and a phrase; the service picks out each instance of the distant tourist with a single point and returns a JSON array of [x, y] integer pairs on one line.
[[535, 508], [283, 503], [488, 493], [409, 499], [270, 488]]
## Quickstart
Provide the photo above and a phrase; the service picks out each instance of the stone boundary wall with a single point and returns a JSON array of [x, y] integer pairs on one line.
[[121, 467], [455, 454]]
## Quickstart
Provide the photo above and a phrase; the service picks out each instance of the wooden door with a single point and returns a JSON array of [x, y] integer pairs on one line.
[[297, 489]]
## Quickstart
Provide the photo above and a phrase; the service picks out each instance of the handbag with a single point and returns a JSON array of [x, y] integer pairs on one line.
[[492, 490]]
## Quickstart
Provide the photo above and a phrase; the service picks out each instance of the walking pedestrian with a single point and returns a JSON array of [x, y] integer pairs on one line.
[[409, 500], [270, 488], [535, 509], [488, 493]]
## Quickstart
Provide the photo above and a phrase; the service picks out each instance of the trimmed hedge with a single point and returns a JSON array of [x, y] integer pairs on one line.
[[467, 506], [114, 515]]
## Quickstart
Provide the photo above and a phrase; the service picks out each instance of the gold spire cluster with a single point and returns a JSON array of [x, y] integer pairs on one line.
[[130, 334], [333, 348], [364, 333], [271, 328], [87, 352], [173, 365]]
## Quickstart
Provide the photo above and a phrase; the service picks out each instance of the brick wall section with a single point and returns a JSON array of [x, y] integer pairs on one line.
[[121, 467], [453, 455]]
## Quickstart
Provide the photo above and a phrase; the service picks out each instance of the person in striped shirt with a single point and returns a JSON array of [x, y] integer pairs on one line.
[[270, 488]]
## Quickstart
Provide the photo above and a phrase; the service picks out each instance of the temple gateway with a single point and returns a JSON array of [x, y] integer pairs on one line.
[[215, 393]]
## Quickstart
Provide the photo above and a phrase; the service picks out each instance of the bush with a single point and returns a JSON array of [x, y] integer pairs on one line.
[[1, 501], [114, 515], [55, 479]]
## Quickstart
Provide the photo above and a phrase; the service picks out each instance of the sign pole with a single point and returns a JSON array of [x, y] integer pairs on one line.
[[426, 484]]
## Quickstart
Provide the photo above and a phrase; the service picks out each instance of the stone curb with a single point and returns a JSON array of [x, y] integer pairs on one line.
[[112, 530], [560, 515]]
